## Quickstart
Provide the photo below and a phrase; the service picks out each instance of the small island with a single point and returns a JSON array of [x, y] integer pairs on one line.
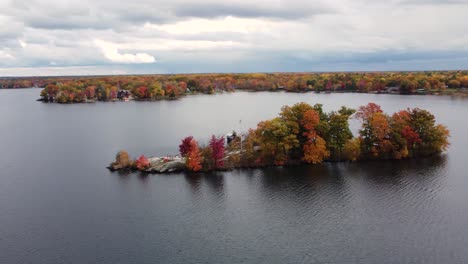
[[306, 134]]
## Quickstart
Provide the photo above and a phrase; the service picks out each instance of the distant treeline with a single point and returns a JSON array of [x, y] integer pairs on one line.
[[306, 134], [154, 87], [26, 82]]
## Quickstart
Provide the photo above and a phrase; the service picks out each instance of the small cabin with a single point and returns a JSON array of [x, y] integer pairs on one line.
[[123, 94], [393, 89], [230, 137]]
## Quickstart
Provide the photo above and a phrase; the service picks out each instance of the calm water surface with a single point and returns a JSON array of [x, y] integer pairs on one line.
[[59, 204]]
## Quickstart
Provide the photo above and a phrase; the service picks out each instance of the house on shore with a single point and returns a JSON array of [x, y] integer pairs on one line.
[[392, 90]]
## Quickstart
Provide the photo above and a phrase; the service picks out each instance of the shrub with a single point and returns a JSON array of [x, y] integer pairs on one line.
[[122, 158], [142, 163]]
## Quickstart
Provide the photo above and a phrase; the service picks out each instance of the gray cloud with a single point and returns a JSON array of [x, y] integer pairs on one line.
[[232, 35], [433, 2], [283, 10], [107, 14]]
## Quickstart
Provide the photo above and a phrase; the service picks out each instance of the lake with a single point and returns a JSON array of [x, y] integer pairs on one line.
[[59, 204]]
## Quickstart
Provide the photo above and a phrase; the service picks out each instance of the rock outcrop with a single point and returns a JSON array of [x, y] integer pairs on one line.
[[161, 165], [157, 164]]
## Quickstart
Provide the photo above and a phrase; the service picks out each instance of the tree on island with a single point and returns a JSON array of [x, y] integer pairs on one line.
[[185, 147], [306, 134], [194, 157], [217, 150]]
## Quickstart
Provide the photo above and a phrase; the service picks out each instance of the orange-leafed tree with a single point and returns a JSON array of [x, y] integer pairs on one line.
[[300, 119], [90, 92], [375, 132], [381, 135], [194, 158], [315, 147], [309, 121], [315, 151]]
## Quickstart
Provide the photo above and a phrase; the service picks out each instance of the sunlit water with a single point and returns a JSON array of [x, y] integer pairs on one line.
[[59, 204]]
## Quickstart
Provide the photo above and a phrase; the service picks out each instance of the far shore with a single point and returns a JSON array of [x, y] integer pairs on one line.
[[448, 92], [172, 86]]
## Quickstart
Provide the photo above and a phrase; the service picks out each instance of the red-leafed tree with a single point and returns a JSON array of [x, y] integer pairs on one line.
[[142, 92], [142, 163], [217, 147], [403, 136], [113, 92], [169, 87], [411, 136], [52, 90], [309, 121], [185, 146], [366, 111]]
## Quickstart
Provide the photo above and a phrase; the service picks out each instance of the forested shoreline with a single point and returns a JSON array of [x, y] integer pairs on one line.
[[172, 86], [306, 134]]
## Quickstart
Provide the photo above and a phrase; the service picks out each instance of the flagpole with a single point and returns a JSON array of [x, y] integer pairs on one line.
[[240, 133]]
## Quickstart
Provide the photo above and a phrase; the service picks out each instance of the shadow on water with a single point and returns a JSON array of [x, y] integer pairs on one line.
[[144, 177], [194, 180], [213, 182], [339, 181], [424, 171], [124, 173], [377, 171], [327, 178]]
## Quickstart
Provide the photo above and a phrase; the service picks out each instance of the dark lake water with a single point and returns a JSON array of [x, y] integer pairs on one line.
[[59, 204]]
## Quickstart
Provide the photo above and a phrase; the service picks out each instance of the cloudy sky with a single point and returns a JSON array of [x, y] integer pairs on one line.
[[71, 37]]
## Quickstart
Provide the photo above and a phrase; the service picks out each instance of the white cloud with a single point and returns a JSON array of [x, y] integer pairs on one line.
[[22, 43], [111, 52], [4, 55]]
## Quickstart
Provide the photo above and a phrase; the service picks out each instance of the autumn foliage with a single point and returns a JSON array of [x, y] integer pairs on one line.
[[194, 158], [306, 134], [157, 87], [142, 163], [314, 149], [217, 151], [406, 134], [185, 146]]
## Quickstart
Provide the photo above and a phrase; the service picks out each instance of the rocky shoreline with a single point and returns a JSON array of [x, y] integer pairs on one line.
[[154, 165]]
